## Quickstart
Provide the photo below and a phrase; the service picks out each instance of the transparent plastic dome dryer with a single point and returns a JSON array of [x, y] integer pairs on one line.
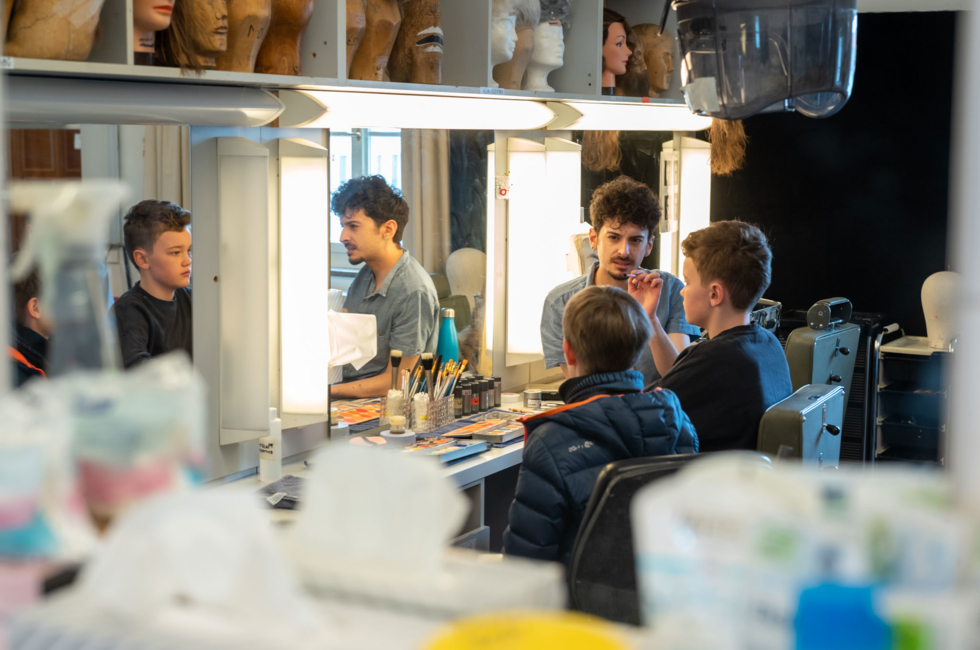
[[67, 240]]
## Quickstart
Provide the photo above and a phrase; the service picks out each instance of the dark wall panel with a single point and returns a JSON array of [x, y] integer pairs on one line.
[[856, 204]]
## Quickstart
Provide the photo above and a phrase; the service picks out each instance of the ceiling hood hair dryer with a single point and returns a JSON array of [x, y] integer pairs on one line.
[[742, 57]]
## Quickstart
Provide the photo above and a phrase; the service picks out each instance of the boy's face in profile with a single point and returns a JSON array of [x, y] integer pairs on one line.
[[697, 297], [169, 263], [620, 247]]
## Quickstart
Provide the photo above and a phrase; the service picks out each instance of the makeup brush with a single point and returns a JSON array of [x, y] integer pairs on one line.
[[396, 360], [427, 362]]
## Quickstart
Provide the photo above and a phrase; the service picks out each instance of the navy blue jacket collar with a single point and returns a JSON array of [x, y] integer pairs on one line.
[[580, 389]]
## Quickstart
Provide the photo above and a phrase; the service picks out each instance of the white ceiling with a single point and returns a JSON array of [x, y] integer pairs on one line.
[[914, 5]]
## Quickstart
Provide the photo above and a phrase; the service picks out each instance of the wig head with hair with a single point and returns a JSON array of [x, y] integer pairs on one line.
[[528, 13], [557, 10], [728, 141], [601, 151], [175, 45]]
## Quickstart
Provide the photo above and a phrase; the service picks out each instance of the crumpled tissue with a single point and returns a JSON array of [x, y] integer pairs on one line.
[[377, 525], [353, 337], [208, 560]]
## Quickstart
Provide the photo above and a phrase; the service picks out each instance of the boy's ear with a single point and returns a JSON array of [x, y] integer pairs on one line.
[[716, 293], [569, 353], [33, 308], [141, 258]]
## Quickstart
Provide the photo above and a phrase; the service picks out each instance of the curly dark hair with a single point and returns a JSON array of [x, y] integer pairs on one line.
[[625, 200], [735, 253], [379, 201], [149, 219]]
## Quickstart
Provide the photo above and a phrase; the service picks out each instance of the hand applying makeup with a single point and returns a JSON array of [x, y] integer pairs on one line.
[[646, 288]]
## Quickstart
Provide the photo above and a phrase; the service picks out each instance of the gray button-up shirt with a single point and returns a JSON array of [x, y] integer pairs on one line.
[[407, 308], [670, 311]]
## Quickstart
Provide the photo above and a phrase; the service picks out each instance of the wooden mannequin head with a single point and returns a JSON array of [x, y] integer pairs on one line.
[[198, 32], [416, 56], [150, 17], [248, 24], [382, 20], [355, 29], [280, 52], [509, 74], [615, 48], [53, 29], [658, 51]]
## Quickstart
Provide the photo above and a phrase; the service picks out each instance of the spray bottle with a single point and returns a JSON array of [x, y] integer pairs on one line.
[[67, 241]]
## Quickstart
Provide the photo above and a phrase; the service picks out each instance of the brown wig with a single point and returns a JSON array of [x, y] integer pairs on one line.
[[728, 142], [175, 45], [600, 150]]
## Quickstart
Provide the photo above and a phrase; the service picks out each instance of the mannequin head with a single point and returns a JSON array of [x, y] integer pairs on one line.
[[510, 73], [658, 52], [50, 29], [634, 83], [503, 31], [149, 17], [208, 26], [197, 26], [549, 44], [417, 54], [615, 50], [383, 19], [355, 28], [248, 24]]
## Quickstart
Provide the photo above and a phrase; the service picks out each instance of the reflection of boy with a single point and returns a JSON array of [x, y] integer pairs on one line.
[[726, 382], [625, 215], [32, 331], [392, 285], [607, 418], [154, 317]]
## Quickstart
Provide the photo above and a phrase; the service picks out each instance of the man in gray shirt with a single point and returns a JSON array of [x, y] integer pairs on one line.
[[392, 285], [625, 215]]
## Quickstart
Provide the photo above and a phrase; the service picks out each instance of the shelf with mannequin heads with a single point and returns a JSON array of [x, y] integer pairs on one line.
[[433, 46]]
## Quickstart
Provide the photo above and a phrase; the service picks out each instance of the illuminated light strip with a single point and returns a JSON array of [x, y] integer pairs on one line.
[[623, 116]]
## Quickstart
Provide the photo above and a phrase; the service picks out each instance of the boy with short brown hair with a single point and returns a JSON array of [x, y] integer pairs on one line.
[[154, 317], [32, 329], [726, 382], [606, 417]]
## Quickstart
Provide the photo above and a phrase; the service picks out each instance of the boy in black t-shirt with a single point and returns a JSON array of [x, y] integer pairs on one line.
[[727, 381], [154, 317]]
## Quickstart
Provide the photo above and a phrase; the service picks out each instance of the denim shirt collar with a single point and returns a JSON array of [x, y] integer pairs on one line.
[[394, 272], [602, 383]]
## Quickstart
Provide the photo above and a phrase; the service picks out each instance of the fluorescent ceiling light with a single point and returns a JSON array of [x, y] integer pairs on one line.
[[323, 109], [623, 116]]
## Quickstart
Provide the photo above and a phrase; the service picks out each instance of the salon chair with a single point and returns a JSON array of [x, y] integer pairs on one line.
[[460, 304], [825, 351], [602, 573], [806, 425]]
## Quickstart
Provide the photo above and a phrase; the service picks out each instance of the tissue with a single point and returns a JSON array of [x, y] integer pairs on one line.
[[206, 554], [353, 337], [385, 510], [375, 526]]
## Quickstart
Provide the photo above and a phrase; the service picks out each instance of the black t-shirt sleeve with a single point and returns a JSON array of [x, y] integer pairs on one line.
[[133, 326]]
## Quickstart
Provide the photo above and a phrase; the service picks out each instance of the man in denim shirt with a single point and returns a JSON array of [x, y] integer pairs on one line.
[[625, 215], [392, 285]]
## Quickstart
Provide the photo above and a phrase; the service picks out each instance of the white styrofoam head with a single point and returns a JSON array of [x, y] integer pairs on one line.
[[939, 306]]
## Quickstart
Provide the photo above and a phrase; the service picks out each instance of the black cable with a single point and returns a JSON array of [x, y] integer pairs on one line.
[[663, 16]]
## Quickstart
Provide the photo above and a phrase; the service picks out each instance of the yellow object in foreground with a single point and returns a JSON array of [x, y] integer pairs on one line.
[[529, 631]]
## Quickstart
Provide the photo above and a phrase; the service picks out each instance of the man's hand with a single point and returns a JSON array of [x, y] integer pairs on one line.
[[646, 288]]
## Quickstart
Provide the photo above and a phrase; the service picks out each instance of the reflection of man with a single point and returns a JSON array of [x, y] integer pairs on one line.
[[625, 215], [392, 285]]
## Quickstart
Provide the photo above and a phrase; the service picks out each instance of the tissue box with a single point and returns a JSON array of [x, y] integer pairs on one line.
[[461, 586]]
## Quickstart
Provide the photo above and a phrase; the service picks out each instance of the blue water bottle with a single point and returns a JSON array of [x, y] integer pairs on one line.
[[448, 346]]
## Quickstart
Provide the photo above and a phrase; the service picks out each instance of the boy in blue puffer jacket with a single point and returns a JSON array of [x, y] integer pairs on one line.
[[606, 417]]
